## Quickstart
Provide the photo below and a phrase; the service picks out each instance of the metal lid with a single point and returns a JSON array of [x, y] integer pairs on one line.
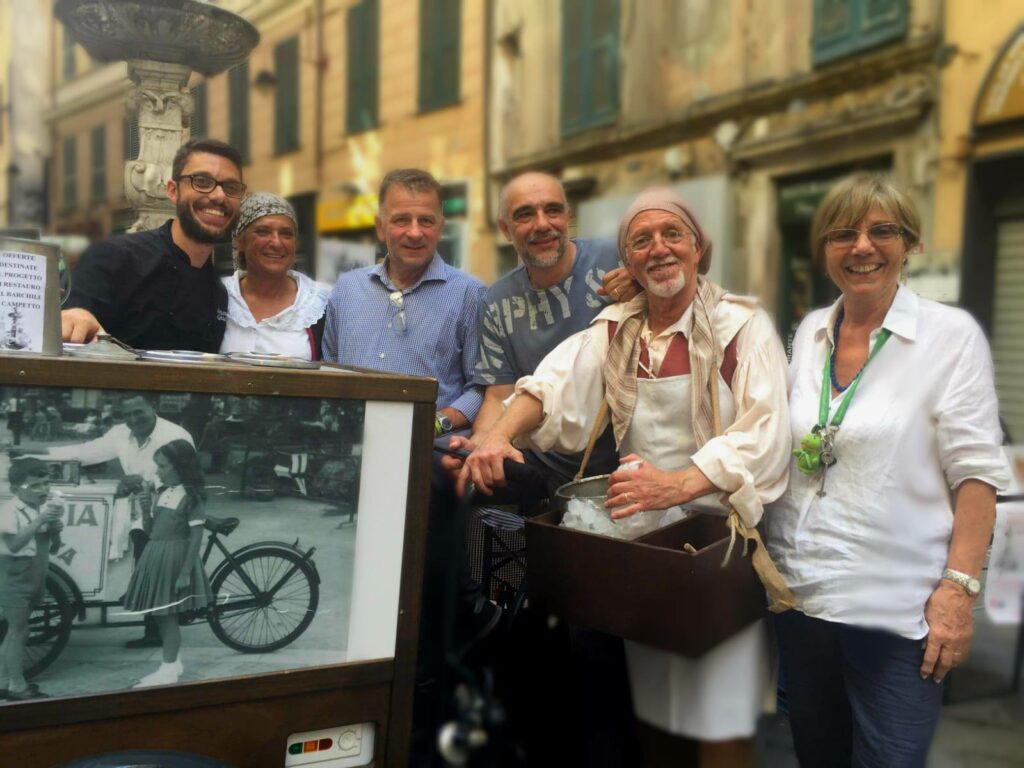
[[182, 356], [272, 360], [595, 487]]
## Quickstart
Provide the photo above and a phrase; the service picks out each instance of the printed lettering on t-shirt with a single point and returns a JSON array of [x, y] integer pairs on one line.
[[594, 279]]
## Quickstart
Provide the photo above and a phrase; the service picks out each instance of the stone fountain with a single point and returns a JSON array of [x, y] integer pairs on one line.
[[163, 41]]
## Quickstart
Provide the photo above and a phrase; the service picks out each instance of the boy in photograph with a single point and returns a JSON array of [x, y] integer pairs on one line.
[[29, 533]]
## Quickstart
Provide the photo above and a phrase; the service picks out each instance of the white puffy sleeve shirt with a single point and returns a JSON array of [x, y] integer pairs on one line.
[[923, 420], [748, 462]]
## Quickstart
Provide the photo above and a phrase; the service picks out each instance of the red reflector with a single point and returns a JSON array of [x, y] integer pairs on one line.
[[326, 743]]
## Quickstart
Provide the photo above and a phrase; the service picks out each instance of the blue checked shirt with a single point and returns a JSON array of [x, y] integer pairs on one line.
[[440, 337]]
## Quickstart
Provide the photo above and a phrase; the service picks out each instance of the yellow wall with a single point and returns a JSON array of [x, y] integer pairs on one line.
[[978, 33]]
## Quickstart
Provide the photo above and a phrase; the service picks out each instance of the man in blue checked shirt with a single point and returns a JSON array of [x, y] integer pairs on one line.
[[412, 313]]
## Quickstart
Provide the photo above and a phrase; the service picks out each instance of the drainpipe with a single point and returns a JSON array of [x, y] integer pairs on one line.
[[318, 108]]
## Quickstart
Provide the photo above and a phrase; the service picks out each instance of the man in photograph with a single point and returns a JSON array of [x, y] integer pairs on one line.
[[157, 289]]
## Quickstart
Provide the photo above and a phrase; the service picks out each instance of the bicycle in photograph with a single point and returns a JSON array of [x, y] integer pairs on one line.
[[265, 596]]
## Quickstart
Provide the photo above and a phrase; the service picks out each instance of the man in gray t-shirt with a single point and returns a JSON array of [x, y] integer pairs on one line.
[[558, 289], [521, 323]]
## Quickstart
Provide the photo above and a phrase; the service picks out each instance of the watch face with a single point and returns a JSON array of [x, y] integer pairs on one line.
[[973, 586]]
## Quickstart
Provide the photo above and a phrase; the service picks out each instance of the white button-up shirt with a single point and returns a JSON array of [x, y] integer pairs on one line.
[[118, 443], [924, 419]]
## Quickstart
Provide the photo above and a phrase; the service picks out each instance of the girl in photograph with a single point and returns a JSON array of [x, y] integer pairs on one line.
[[169, 578]]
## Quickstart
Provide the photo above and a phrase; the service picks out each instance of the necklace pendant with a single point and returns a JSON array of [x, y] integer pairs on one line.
[[824, 471]]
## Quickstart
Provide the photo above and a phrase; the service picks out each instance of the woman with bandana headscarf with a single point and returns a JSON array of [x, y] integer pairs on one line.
[[271, 307]]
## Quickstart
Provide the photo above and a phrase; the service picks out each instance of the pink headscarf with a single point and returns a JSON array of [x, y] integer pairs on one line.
[[664, 199]]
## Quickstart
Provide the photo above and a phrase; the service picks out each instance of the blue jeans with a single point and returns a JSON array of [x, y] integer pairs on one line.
[[856, 697]]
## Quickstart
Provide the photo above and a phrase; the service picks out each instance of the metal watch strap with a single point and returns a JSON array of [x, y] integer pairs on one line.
[[971, 584]]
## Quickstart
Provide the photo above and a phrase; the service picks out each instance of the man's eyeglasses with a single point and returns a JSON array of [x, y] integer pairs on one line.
[[880, 234], [642, 243], [202, 183], [398, 302]]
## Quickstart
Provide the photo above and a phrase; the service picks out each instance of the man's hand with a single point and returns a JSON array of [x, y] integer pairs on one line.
[[647, 487], [619, 285], [950, 627], [129, 484], [79, 325], [484, 465], [453, 464]]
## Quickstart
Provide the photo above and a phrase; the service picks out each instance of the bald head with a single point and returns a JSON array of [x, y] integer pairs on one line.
[[526, 182], [534, 216]]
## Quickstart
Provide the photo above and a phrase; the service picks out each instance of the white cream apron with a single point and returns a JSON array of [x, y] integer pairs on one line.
[[719, 695]]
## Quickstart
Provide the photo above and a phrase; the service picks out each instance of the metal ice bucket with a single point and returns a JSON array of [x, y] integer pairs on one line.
[[593, 488], [30, 296]]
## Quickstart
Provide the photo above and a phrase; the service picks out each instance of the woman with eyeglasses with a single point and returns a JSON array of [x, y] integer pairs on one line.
[[882, 533], [271, 307]]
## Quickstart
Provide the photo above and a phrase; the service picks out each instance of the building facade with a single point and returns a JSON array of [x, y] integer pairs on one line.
[[750, 109], [337, 93], [24, 94], [980, 191]]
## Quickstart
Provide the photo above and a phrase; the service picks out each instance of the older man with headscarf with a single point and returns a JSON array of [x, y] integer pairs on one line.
[[271, 307], [695, 379]]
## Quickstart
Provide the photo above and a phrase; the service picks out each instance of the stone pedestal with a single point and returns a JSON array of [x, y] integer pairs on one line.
[[163, 42], [162, 108]]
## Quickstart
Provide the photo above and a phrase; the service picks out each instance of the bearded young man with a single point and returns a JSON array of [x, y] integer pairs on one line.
[[654, 360], [157, 289]]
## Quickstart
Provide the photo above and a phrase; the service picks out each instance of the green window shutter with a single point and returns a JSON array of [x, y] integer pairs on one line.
[[286, 96], [197, 127], [362, 66], [238, 109], [70, 178], [590, 64], [68, 55], [845, 27], [440, 38], [129, 139], [98, 165]]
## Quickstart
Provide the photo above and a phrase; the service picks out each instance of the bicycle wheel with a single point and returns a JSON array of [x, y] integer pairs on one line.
[[49, 626], [264, 600]]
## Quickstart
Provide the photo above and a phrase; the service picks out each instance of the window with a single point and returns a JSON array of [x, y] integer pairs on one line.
[[70, 179], [68, 55], [439, 53], [129, 139], [197, 127], [362, 64], [843, 27], [238, 109], [286, 96], [590, 64], [98, 169]]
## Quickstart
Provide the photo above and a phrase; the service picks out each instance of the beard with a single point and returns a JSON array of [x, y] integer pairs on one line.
[[666, 289], [197, 232], [548, 259]]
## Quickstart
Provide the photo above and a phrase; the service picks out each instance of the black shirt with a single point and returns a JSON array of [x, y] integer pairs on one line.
[[145, 292]]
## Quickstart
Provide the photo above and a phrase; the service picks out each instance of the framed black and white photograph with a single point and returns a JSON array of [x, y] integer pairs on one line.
[[274, 485]]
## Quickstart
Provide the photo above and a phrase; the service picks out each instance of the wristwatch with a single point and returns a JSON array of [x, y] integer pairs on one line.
[[971, 585], [442, 424]]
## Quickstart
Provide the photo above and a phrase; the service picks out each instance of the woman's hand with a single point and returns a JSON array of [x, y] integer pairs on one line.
[[646, 487], [182, 582], [618, 284], [950, 627]]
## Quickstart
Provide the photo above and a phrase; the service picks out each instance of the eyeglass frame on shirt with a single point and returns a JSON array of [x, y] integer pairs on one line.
[[397, 300]]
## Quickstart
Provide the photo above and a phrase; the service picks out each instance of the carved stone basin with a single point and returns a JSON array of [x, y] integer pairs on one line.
[[202, 36]]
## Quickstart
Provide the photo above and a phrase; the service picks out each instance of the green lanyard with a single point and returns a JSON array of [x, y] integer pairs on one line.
[[826, 385], [817, 449]]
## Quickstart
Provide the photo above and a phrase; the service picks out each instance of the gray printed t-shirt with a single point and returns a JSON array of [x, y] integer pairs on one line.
[[520, 324]]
